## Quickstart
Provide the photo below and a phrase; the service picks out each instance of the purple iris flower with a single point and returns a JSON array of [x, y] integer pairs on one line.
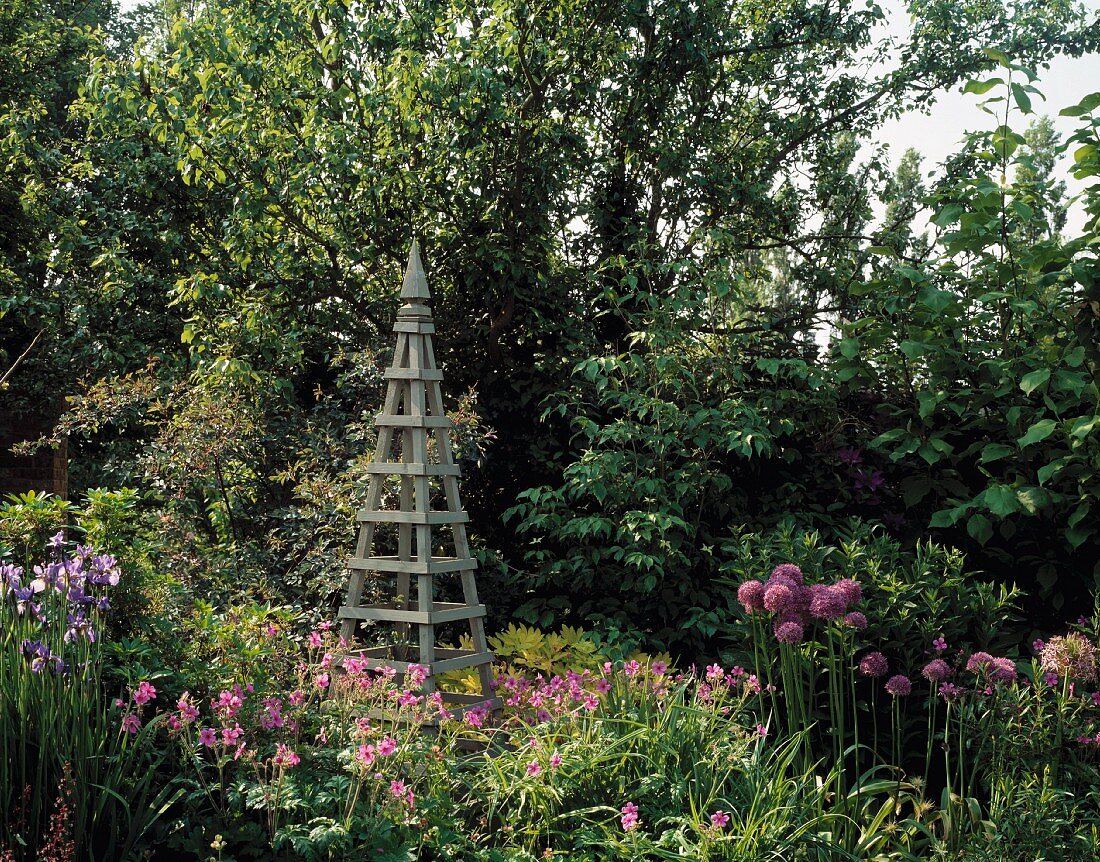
[[79, 627]]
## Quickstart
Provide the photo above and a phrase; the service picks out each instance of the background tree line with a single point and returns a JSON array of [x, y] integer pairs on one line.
[[637, 218]]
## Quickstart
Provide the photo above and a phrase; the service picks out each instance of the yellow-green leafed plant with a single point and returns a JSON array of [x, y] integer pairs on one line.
[[524, 651]]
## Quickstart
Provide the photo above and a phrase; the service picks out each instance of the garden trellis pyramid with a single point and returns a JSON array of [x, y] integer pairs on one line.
[[414, 446]]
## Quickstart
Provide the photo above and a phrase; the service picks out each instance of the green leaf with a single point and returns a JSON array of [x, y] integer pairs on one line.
[[1044, 473], [996, 451], [915, 489], [1000, 56], [1033, 380], [937, 300], [1000, 500], [1083, 426], [1083, 153], [1037, 432], [926, 402], [1032, 499], [913, 349], [1079, 514], [1023, 101], [980, 88], [943, 518], [849, 348], [1087, 104], [948, 214], [888, 437], [1076, 536], [979, 528]]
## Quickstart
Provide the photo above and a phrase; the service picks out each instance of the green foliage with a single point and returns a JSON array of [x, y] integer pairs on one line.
[[26, 523], [633, 529], [983, 360], [912, 596]]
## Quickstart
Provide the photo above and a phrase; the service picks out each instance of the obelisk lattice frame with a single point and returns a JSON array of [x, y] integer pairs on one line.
[[414, 446]]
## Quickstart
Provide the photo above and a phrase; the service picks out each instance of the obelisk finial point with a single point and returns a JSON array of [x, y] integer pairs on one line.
[[415, 285]]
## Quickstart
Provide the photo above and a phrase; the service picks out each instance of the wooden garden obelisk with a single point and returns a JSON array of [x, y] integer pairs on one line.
[[414, 447]]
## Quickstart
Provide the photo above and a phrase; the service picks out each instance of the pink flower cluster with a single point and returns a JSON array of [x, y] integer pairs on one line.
[[145, 693], [797, 604]]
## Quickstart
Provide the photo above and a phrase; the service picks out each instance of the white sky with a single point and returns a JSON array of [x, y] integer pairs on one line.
[[937, 134]]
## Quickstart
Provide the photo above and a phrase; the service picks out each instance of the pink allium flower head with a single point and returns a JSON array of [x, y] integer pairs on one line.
[[751, 596], [788, 633], [788, 570], [533, 769], [719, 819], [979, 662], [1003, 670], [874, 664], [855, 620], [851, 590], [778, 598], [826, 602], [899, 685], [629, 819], [1070, 657], [936, 670]]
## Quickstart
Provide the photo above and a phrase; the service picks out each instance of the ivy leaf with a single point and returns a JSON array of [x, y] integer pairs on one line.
[[1037, 432]]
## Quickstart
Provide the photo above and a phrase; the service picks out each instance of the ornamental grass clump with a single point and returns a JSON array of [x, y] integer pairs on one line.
[[58, 724]]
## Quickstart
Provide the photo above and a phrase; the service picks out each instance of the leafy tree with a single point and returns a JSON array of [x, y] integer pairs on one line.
[[984, 366]]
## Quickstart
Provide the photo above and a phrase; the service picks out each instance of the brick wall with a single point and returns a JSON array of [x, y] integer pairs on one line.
[[47, 470]]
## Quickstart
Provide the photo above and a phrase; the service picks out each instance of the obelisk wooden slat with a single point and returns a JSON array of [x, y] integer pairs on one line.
[[413, 422]]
